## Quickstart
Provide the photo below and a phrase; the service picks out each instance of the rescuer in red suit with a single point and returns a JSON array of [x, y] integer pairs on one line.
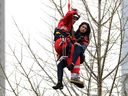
[[64, 40]]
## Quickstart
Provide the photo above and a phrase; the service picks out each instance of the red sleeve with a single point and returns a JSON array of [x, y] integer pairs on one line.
[[85, 41], [68, 17]]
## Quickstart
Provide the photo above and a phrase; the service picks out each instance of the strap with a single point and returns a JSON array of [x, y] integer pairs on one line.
[[73, 39], [64, 28], [69, 46]]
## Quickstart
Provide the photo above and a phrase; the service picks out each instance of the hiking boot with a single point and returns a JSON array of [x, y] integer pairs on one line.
[[58, 86], [70, 67], [77, 82]]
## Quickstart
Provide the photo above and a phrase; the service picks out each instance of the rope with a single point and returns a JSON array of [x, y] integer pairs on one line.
[[69, 5]]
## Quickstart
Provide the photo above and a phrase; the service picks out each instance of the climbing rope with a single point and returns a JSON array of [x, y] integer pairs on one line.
[[69, 5]]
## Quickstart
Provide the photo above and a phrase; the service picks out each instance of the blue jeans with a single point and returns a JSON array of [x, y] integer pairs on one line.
[[60, 68], [79, 51]]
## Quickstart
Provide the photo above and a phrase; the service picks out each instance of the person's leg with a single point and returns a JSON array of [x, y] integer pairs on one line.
[[82, 58], [75, 78], [77, 51], [60, 67]]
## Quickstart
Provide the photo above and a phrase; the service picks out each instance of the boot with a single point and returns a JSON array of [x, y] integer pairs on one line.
[[71, 66], [58, 86], [77, 82]]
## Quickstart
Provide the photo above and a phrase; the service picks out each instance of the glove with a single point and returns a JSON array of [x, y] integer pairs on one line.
[[74, 9], [81, 37]]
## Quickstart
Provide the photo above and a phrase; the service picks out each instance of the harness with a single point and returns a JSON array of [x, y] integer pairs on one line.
[[59, 34]]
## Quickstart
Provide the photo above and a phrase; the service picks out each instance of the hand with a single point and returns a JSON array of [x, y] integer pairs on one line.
[[76, 43], [74, 9]]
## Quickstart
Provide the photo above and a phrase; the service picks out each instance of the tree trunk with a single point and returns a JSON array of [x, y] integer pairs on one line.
[[99, 83]]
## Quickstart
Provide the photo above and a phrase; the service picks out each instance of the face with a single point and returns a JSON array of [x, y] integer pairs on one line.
[[83, 28], [74, 20]]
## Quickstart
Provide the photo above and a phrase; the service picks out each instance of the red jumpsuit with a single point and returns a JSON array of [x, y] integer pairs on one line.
[[65, 25]]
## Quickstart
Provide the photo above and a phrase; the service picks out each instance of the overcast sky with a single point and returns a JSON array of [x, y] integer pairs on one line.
[[28, 16]]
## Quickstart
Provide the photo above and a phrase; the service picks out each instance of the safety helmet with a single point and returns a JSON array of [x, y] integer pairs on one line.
[[77, 16]]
